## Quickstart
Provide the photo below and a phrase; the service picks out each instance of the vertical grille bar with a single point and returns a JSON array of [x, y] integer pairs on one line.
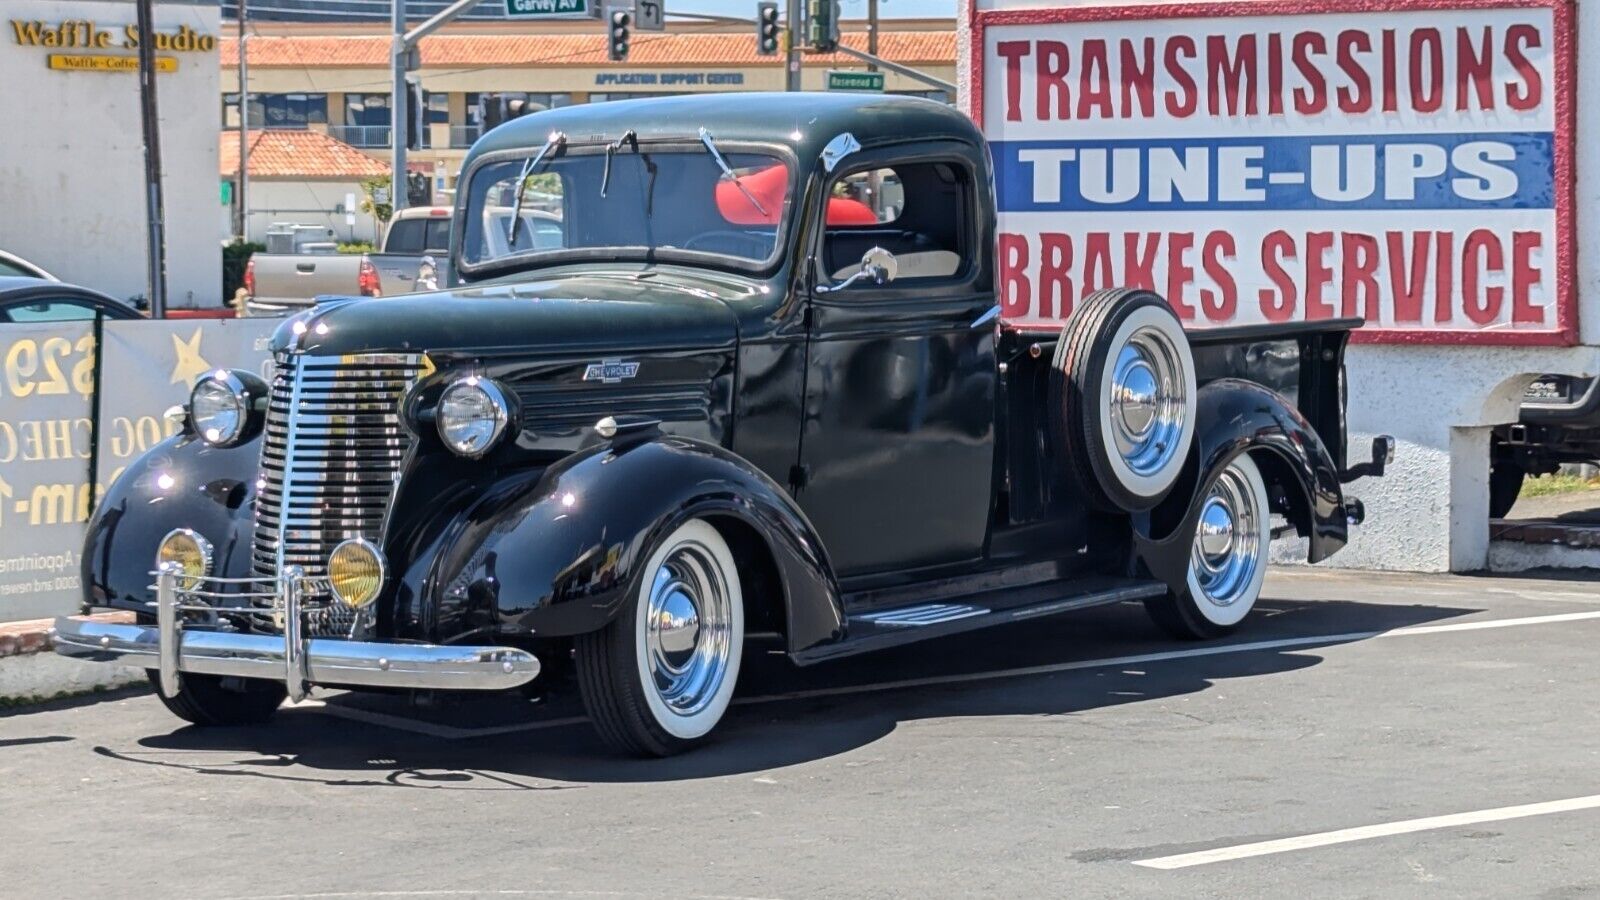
[[330, 456]]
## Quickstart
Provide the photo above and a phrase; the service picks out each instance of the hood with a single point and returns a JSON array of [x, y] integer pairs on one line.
[[565, 313]]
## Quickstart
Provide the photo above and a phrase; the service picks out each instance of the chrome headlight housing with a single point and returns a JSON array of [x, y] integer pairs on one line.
[[472, 415], [222, 406], [188, 550]]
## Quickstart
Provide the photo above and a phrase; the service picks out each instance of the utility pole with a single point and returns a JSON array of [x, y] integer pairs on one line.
[[242, 208], [398, 113], [791, 58], [156, 282], [872, 32]]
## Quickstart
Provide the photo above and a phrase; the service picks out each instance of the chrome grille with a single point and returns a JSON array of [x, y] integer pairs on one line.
[[330, 456]]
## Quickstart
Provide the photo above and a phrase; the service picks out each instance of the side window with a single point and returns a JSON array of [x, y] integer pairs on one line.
[[916, 211], [51, 310], [405, 236]]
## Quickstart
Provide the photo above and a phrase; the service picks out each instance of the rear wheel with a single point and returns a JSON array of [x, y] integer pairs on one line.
[[658, 679], [1122, 399], [1227, 561], [1505, 485], [215, 700]]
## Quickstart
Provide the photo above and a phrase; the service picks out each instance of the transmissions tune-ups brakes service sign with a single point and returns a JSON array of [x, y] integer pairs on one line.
[[1267, 162]]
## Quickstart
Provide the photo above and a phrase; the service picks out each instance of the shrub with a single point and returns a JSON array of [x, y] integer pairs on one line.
[[234, 257]]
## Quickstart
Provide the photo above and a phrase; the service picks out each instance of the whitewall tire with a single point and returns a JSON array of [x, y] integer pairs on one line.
[[1227, 559], [1123, 396], [659, 678]]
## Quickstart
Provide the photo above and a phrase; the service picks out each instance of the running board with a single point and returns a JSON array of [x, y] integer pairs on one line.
[[880, 629]]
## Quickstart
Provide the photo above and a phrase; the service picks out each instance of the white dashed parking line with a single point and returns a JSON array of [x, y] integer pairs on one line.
[[1367, 832]]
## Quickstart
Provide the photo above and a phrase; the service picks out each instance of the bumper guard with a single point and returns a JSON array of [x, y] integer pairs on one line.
[[191, 635]]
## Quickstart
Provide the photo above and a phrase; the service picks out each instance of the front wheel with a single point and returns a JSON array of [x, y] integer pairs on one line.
[[659, 677], [215, 700], [1228, 560]]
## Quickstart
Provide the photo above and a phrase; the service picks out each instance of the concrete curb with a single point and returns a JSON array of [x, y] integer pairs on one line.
[[29, 670]]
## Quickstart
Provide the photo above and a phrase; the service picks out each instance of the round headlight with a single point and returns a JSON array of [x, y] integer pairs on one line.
[[218, 406], [472, 414], [189, 550], [355, 572]]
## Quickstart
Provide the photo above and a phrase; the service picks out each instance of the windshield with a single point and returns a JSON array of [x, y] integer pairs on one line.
[[651, 204]]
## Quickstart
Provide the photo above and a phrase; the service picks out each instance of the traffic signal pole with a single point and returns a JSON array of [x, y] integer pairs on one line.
[[791, 62], [405, 42]]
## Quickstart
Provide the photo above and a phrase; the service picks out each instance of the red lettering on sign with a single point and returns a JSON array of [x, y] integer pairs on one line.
[[1140, 265], [1052, 67], [1179, 273], [1318, 275], [1097, 263], [1139, 80], [1520, 39], [1358, 282], [1055, 279], [1408, 279], [1427, 48], [1013, 52], [1234, 75], [1221, 304], [1094, 81], [1313, 98], [1277, 305], [1184, 100], [1474, 69], [1480, 254], [1015, 297], [1359, 99], [1524, 275]]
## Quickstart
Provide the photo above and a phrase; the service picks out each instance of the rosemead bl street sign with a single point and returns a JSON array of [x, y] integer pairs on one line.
[[541, 8], [854, 81]]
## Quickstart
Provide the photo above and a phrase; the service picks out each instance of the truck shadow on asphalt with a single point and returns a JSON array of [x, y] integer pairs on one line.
[[784, 716]]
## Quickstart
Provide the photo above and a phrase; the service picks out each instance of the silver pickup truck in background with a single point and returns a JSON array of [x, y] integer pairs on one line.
[[276, 284]]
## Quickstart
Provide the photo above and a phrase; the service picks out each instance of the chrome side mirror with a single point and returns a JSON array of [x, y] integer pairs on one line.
[[877, 265]]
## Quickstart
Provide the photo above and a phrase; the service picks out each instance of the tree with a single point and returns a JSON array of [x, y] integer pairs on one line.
[[370, 189]]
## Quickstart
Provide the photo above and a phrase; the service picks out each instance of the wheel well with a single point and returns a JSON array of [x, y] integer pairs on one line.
[[759, 580], [1285, 494]]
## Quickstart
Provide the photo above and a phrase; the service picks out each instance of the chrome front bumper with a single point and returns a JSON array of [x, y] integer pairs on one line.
[[178, 644]]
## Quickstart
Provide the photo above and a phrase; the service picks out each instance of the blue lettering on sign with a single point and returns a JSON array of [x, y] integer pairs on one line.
[[678, 79], [1379, 172]]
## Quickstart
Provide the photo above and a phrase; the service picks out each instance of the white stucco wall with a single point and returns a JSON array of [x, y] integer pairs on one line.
[[72, 159], [1431, 511], [307, 203]]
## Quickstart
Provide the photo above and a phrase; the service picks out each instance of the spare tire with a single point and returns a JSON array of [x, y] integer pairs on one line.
[[1122, 399]]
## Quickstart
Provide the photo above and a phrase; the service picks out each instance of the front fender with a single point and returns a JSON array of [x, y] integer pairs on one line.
[[561, 558], [1237, 416], [182, 482]]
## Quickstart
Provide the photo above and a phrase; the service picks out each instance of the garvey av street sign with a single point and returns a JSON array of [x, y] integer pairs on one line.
[[542, 8], [854, 81]]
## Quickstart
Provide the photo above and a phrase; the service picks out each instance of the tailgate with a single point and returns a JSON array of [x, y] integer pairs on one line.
[[303, 276]]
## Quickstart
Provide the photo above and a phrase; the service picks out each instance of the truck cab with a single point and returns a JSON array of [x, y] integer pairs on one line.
[[743, 372]]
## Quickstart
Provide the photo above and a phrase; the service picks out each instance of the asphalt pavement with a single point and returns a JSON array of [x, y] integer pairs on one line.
[[1363, 736]]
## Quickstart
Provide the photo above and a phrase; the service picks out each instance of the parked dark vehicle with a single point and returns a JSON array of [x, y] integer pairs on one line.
[[26, 299], [1559, 423], [11, 264], [759, 386]]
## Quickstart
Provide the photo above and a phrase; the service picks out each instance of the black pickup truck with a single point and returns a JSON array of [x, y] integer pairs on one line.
[[758, 386], [1559, 423]]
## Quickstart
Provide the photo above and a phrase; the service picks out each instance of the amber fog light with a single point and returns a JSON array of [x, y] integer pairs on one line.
[[355, 571], [189, 550]]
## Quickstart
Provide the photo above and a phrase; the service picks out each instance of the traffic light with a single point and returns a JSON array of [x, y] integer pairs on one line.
[[822, 25], [416, 114], [767, 28], [621, 31]]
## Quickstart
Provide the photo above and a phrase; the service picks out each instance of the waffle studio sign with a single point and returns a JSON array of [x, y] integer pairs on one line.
[[84, 34]]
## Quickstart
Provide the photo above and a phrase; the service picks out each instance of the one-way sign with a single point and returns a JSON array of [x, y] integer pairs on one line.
[[543, 8]]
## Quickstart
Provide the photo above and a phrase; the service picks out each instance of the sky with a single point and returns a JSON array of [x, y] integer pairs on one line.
[[853, 9]]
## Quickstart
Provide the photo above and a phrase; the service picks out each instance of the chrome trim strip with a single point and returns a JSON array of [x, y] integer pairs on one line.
[[295, 671], [167, 624], [326, 660]]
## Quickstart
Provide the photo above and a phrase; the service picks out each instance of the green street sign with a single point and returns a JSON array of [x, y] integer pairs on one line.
[[227, 193], [533, 9], [854, 81]]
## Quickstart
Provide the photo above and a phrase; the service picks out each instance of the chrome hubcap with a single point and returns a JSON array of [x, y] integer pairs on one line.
[[687, 631], [1227, 543], [1147, 407]]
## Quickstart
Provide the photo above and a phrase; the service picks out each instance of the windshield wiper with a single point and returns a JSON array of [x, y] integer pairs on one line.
[[711, 145], [556, 139], [611, 150]]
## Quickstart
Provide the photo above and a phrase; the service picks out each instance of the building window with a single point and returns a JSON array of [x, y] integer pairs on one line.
[[277, 110], [438, 109], [366, 109]]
